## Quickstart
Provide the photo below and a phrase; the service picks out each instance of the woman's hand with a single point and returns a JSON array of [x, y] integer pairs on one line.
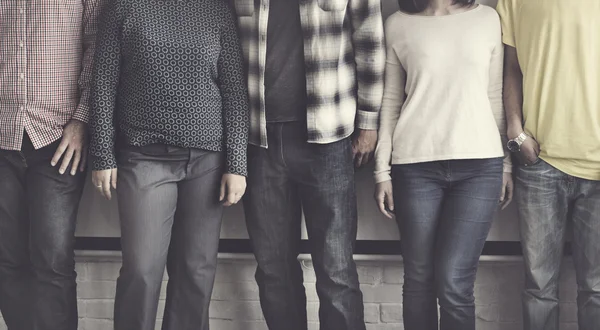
[[384, 197], [233, 187], [507, 190], [104, 180]]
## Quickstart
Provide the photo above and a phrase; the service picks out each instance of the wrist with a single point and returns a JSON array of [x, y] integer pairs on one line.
[[514, 130]]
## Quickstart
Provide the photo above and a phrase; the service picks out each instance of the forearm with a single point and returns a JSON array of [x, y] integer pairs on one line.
[[234, 93], [369, 56], [91, 12], [513, 93]]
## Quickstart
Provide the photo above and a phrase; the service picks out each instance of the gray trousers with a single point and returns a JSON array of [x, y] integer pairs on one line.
[[170, 216]]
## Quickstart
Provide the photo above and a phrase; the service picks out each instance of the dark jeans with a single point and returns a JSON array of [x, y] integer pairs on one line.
[[38, 212], [548, 199], [170, 215], [289, 176], [444, 211]]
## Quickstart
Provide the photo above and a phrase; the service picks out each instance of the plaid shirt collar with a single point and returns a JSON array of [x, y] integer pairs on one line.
[[345, 60]]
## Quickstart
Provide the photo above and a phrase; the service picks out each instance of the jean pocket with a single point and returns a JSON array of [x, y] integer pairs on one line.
[[333, 5]]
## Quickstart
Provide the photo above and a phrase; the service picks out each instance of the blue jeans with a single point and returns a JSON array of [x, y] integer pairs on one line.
[[444, 211], [548, 199], [38, 211], [290, 176]]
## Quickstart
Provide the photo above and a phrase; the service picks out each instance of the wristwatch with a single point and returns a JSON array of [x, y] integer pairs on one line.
[[514, 145]]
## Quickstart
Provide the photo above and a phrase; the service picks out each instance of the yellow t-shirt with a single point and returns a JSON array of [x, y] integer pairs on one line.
[[558, 45]]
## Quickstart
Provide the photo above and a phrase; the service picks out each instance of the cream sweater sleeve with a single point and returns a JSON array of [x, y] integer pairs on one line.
[[393, 99], [495, 95]]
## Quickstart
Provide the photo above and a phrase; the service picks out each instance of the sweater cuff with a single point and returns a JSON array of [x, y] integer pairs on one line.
[[237, 161], [104, 163], [383, 176]]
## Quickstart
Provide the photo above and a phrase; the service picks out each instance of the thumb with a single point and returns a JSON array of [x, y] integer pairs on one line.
[[222, 192]]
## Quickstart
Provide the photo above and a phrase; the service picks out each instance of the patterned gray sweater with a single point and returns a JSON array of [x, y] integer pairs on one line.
[[170, 72]]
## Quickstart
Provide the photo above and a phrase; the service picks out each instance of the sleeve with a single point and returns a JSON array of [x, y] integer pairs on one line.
[[105, 80], [234, 94], [495, 95], [369, 54], [507, 9], [393, 99], [91, 9]]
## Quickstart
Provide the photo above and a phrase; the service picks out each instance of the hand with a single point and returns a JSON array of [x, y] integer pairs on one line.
[[530, 151], [384, 197], [104, 180], [233, 187], [508, 189], [73, 146], [363, 146]]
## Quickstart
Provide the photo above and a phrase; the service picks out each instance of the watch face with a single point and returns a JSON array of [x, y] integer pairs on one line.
[[513, 146]]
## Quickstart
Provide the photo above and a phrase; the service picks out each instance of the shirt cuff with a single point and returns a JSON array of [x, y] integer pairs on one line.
[[82, 113], [367, 120]]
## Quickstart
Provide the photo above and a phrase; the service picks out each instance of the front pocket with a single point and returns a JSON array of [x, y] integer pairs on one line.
[[333, 5], [244, 7]]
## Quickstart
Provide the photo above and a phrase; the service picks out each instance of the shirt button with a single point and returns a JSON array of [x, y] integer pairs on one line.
[[21, 44], [22, 76], [21, 11], [22, 108]]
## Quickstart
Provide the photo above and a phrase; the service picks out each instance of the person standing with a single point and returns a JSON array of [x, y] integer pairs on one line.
[[440, 162], [315, 77], [46, 53], [552, 80], [170, 125]]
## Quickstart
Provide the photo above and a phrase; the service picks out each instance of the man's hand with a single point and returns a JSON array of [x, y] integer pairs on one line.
[[363, 146], [72, 147], [233, 187], [384, 197], [508, 189], [104, 180], [530, 149]]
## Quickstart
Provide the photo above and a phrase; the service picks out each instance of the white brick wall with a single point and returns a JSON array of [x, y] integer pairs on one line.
[[235, 303]]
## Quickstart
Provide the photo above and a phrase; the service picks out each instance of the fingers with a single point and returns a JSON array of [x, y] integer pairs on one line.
[[76, 161], [103, 180], [354, 149], [385, 201], [389, 200], [509, 194], [503, 193], [97, 181], [106, 186], [231, 198], [381, 205], [83, 162], [62, 147], [113, 178], [66, 160]]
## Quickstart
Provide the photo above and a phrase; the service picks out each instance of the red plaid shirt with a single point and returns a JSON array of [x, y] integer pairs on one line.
[[46, 52]]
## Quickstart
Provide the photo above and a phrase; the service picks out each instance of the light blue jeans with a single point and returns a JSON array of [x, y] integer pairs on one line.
[[548, 199]]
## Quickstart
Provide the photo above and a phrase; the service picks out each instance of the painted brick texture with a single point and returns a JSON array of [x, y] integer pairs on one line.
[[235, 304]]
